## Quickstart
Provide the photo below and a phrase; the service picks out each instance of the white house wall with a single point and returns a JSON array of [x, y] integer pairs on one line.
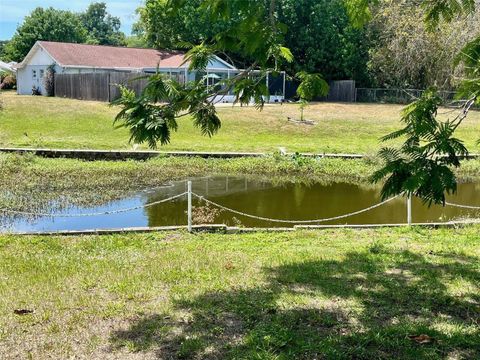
[[26, 80], [39, 61], [41, 57]]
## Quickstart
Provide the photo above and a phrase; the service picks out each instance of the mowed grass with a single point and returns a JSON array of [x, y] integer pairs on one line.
[[333, 294], [28, 121]]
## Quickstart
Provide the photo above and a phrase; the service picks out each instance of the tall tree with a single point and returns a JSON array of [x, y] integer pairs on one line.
[[44, 24], [405, 52], [102, 28], [191, 24], [319, 34], [3, 43], [322, 39]]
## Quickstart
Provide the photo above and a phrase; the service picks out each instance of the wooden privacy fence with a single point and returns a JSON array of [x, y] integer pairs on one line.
[[97, 86], [339, 91], [82, 86], [104, 86]]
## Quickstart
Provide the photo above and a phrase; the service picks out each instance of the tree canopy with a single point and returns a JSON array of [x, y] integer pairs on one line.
[[322, 39], [102, 28], [95, 25], [406, 53], [44, 24], [319, 34]]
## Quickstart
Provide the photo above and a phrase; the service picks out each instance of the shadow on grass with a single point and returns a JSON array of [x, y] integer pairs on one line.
[[362, 307]]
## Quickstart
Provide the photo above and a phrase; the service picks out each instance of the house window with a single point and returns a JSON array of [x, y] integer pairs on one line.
[[34, 74], [41, 74]]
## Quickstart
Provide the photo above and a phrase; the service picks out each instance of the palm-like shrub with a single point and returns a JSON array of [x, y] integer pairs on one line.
[[311, 86], [152, 116], [422, 165]]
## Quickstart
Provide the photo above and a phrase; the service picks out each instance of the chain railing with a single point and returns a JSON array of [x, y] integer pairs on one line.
[[314, 221], [108, 212], [191, 194]]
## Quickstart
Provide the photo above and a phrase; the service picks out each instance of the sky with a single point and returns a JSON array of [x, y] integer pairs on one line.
[[12, 12]]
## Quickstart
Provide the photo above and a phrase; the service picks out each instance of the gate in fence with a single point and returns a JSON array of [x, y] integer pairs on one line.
[[341, 91]]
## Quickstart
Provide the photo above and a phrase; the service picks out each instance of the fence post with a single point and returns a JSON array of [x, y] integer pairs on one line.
[[108, 88], [409, 210], [189, 209]]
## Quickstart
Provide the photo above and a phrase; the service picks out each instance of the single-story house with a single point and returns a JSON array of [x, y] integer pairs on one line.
[[69, 58]]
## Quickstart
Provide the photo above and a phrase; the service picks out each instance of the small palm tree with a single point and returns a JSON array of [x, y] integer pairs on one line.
[[312, 86], [422, 165]]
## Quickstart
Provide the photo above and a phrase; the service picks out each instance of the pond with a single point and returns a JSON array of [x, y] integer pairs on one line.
[[287, 201]]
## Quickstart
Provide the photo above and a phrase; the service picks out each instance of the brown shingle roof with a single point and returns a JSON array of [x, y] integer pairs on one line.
[[68, 54]]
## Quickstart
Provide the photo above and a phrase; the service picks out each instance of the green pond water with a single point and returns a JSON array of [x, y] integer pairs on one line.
[[287, 201]]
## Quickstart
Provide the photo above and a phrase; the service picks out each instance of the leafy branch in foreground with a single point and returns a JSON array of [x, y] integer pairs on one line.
[[422, 166], [152, 116], [470, 57]]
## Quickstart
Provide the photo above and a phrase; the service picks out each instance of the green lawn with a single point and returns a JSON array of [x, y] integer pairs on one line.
[[336, 294], [333, 294], [29, 121]]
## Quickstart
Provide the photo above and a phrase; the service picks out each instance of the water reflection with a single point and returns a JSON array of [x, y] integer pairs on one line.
[[292, 201]]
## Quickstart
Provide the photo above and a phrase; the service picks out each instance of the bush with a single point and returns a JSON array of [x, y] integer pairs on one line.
[[49, 81], [36, 91], [8, 81]]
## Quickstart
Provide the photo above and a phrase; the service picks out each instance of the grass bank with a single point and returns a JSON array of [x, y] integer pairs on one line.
[[33, 121], [336, 294]]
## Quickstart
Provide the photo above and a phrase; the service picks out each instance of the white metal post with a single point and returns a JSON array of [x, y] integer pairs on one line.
[[409, 210], [228, 76], [208, 82], [189, 209], [268, 90]]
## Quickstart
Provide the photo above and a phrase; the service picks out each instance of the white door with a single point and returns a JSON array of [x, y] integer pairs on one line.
[[37, 79]]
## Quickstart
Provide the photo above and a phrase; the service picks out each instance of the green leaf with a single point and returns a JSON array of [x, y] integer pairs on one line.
[[286, 53], [311, 86], [422, 164]]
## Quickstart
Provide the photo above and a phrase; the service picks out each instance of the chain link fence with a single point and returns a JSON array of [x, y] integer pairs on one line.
[[398, 96]]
